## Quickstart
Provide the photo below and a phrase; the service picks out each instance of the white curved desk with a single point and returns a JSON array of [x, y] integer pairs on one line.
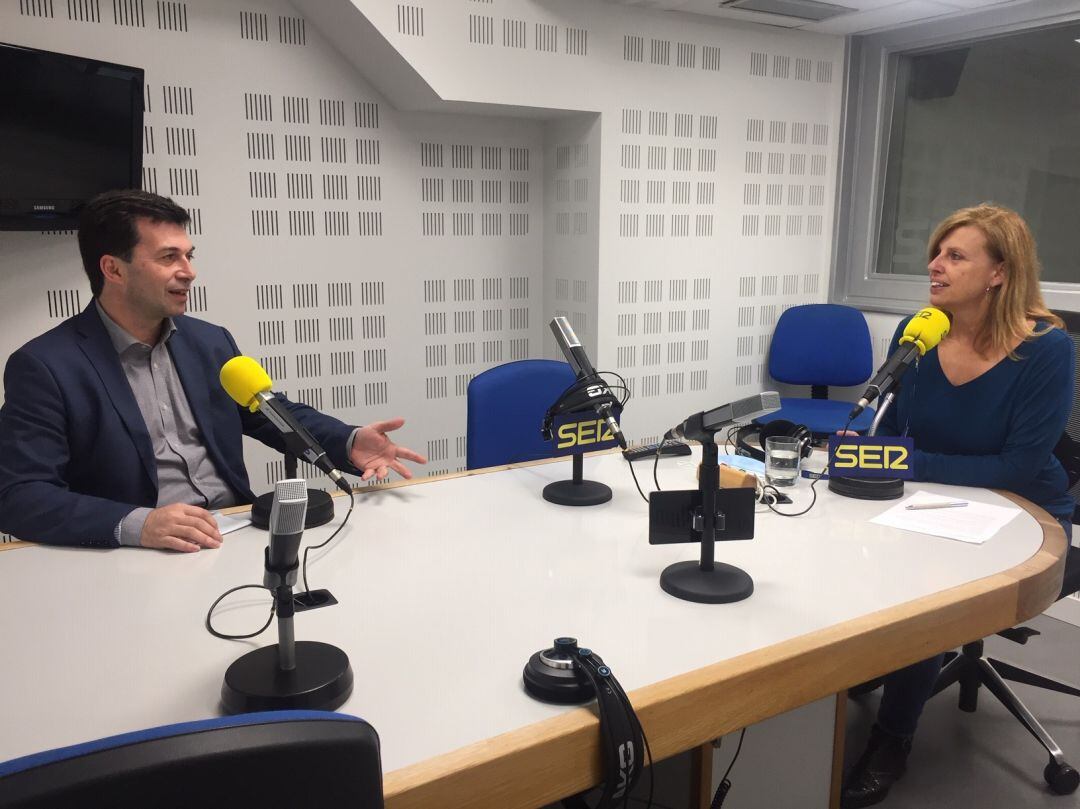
[[447, 587]]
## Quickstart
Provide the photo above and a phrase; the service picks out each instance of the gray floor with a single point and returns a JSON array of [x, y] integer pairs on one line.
[[987, 759]]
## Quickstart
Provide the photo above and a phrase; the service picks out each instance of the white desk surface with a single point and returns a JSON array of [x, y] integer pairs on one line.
[[446, 588]]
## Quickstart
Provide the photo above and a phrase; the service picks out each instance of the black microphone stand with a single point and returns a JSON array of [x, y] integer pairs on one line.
[[577, 491], [708, 581], [320, 505], [292, 674]]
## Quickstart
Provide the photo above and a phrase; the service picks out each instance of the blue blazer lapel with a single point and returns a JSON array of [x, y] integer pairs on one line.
[[101, 353]]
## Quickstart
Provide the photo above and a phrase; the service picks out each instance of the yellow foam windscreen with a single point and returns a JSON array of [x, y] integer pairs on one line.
[[926, 329], [243, 378]]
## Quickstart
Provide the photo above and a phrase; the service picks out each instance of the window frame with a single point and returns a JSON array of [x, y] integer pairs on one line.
[[869, 93]]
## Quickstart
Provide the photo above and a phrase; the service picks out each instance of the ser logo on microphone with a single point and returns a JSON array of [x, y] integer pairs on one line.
[[582, 433], [578, 432], [871, 457]]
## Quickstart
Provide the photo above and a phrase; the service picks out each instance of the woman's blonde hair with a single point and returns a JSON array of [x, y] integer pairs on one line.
[[1019, 298]]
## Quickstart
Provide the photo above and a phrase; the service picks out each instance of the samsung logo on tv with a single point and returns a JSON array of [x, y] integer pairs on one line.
[[44, 207]]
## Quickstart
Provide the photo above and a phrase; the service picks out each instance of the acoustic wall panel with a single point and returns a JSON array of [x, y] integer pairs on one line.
[[376, 259], [690, 113], [571, 212], [306, 217]]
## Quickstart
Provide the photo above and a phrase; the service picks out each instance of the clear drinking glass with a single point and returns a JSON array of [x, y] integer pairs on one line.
[[782, 460]]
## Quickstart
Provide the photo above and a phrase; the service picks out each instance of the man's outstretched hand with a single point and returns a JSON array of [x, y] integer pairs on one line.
[[374, 452]]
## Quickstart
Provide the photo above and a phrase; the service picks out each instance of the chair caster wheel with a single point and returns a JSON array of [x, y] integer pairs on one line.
[[1062, 778]]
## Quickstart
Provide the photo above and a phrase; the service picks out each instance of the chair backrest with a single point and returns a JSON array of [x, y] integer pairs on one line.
[[506, 406], [1068, 453], [274, 759], [821, 344]]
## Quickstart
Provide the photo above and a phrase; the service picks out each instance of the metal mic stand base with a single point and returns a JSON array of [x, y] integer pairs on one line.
[[320, 509], [577, 492], [721, 585], [867, 488], [585, 493], [321, 681]]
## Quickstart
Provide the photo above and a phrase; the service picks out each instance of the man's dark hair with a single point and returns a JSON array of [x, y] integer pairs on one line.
[[108, 226]]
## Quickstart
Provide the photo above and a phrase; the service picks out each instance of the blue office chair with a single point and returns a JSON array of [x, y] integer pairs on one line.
[[506, 406], [275, 759], [821, 345]]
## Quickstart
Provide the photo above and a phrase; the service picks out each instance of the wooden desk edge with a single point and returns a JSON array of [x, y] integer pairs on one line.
[[548, 760]]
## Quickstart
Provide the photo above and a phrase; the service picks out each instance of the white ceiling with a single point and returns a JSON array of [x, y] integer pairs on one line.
[[865, 15]]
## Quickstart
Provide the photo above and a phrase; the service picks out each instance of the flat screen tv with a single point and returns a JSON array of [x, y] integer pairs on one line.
[[70, 128]]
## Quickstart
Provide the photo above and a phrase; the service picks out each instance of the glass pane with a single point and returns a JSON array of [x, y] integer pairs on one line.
[[993, 121]]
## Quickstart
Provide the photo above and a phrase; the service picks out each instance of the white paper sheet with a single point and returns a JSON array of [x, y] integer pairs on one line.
[[976, 522], [227, 523]]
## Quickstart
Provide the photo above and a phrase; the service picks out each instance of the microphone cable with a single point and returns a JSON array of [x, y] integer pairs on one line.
[[570, 400], [725, 784], [273, 602], [633, 474], [656, 460], [220, 598], [327, 541], [659, 446], [813, 492]]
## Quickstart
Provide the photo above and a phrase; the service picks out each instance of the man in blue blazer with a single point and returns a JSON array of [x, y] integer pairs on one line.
[[115, 429]]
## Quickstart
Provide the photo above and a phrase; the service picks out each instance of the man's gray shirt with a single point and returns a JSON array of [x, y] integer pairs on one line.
[[186, 474]]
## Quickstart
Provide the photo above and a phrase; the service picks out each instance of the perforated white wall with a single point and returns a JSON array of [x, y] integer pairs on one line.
[[715, 187], [665, 181]]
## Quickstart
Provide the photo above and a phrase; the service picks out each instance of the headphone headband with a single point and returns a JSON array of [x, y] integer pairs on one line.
[[548, 677], [777, 427], [585, 394]]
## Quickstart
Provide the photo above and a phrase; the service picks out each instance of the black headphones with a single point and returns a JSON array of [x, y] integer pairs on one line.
[[778, 427], [568, 674], [585, 394]]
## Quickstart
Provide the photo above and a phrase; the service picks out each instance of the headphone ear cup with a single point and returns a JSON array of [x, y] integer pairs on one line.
[[777, 427], [742, 442], [566, 686]]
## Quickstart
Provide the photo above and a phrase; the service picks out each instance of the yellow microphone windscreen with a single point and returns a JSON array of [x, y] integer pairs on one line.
[[926, 329], [243, 378]]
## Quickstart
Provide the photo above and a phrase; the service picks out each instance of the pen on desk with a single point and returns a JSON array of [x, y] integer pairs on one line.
[[925, 506]]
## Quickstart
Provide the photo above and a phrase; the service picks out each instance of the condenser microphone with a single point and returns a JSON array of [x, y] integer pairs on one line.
[[291, 674], [579, 362], [282, 559], [924, 331], [287, 524], [571, 347], [250, 386], [700, 426]]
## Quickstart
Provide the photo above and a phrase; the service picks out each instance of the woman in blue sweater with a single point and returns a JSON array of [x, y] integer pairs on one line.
[[985, 408]]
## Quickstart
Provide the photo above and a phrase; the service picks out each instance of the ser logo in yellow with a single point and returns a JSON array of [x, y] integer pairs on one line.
[[583, 433], [849, 456], [871, 457]]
